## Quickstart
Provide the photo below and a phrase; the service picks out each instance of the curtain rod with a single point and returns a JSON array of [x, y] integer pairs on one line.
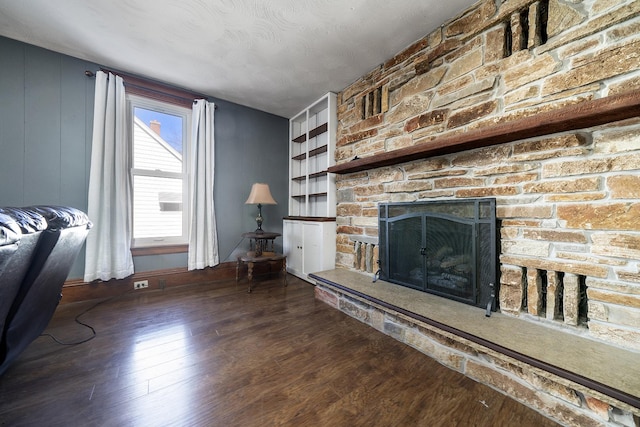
[[147, 87]]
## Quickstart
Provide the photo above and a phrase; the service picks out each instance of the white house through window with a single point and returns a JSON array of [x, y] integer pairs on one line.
[[159, 146]]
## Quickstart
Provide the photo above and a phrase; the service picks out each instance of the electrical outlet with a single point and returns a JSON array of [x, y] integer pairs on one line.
[[141, 284]]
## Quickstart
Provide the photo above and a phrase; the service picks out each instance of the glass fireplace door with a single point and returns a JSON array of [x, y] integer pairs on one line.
[[406, 264], [449, 255], [443, 247]]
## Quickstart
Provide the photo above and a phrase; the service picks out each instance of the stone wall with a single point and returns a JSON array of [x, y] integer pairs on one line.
[[568, 204]]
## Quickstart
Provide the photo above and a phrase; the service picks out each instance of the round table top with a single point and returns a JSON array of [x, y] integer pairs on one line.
[[261, 235]]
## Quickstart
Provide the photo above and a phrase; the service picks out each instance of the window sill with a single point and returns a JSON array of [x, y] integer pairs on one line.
[[159, 250]]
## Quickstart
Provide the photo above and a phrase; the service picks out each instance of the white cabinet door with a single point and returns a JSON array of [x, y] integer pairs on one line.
[[292, 246], [310, 246]]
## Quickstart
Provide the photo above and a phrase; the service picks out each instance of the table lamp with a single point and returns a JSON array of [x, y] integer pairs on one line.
[[260, 195]]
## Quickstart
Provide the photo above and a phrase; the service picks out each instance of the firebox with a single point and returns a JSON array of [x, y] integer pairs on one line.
[[447, 248]]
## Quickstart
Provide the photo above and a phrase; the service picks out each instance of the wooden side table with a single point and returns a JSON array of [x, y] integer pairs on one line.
[[251, 260], [261, 250]]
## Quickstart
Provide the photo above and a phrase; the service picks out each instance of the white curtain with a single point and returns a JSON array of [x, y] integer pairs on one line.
[[108, 250], [203, 237]]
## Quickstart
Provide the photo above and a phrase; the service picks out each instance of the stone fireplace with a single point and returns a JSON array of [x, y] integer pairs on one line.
[[535, 104], [445, 247]]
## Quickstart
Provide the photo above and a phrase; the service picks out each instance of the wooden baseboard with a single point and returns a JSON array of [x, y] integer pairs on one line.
[[78, 290]]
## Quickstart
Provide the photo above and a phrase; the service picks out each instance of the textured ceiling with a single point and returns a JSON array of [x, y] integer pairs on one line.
[[273, 55]]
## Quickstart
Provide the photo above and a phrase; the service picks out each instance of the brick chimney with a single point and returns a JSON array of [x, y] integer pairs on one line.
[[155, 126]]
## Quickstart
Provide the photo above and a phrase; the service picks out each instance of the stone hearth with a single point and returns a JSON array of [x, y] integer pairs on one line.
[[540, 367]]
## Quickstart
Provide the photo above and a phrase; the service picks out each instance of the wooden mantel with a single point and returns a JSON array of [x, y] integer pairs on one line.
[[583, 115]]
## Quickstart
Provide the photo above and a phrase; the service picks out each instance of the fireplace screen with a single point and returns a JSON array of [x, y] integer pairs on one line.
[[447, 248]]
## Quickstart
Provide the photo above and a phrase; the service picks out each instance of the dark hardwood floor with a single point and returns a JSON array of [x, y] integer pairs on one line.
[[214, 355]]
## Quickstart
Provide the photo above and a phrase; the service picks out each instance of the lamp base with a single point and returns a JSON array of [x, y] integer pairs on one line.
[[259, 219]]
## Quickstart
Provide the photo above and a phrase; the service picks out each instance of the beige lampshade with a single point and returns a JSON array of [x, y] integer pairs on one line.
[[260, 194]]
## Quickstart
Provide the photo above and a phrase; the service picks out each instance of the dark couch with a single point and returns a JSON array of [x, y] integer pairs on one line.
[[38, 246]]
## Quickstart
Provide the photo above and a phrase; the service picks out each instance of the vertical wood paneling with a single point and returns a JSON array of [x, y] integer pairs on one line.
[[73, 142], [46, 117], [90, 84], [250, 147], [76, 131], [11, 122], [42, 130]]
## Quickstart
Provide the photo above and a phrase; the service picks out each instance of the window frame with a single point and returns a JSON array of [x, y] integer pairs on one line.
[[140, 101]]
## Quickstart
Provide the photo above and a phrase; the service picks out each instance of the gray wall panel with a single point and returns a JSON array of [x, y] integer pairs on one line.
[[74, 143], [42, 127], [11, 122], [250, 147]]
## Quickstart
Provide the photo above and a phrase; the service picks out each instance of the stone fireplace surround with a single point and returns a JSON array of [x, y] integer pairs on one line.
[[578, 368], [532, 120], [579, 371]]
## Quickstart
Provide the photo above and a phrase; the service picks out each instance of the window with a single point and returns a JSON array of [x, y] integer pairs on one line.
[[159, 135]]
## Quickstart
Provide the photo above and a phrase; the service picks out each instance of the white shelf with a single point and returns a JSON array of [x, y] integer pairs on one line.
[[312, 190], [310, 229]]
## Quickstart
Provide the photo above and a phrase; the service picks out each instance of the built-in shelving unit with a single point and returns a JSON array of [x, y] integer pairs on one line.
[[310, 228], [311, 148]]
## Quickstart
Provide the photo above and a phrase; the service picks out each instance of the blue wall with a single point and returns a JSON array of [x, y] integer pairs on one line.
[[46, 114]]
